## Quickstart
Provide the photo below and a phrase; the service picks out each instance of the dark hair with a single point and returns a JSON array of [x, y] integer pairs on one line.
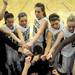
[[8, 15], [22, 14], [54, 17], [42, 8], [37, 49]]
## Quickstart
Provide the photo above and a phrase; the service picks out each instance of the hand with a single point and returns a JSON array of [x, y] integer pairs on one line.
[[28, 59], [35, 59], [27, 62], [54, 72], [49, 56], [25, 51], [29, 44], [5, 2], [43, 57], [23, 44]]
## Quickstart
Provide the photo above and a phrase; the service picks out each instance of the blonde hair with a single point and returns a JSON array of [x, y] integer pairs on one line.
[[71, 18]]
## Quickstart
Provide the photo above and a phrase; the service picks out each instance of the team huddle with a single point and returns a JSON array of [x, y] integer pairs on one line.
[[51, 50]]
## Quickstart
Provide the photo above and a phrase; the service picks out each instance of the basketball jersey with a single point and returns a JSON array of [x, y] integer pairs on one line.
[[55, 31], [70, 48], [37, 24], [25, 31]]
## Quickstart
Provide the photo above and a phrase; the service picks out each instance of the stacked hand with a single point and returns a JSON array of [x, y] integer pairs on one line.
[[29, 44], [49, 56], [35, 59], [43, 57], [25, 51], [54, 72], [27, 62], [28, 59], [23, 44]]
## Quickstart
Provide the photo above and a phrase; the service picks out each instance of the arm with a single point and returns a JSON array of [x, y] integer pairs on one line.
[[20, 34], [7, 41], [55, 45], [25, 70], [40, 31], [64, 43], [58, 40], [22, 38], [49, 43], [26, 65], [9, 33], [15, 38], [48, 46], [13, 45], [2, 12]]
